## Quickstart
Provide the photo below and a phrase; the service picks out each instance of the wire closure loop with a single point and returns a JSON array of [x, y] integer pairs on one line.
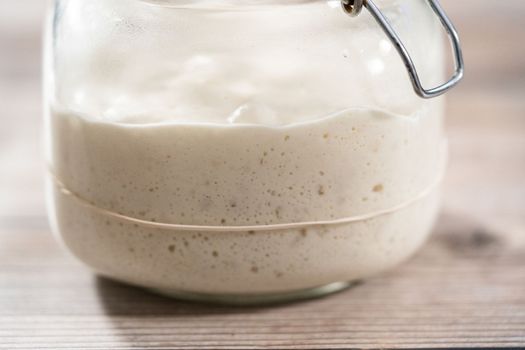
[[354, 7]]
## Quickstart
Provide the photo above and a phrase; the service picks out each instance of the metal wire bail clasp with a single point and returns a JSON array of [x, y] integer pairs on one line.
[[354, 7]]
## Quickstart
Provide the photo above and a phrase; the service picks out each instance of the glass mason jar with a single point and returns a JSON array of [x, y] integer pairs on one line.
[[241, 151]]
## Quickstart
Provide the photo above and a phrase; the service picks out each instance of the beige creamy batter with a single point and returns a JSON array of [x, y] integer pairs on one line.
[[349, 164]]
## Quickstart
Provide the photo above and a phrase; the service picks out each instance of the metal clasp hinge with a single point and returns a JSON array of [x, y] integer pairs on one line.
[[354, 7]]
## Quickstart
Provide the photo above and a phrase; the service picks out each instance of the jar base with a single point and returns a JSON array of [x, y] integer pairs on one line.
[[257, 299]]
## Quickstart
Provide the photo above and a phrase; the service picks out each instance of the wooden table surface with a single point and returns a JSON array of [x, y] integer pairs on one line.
[[465, 288]]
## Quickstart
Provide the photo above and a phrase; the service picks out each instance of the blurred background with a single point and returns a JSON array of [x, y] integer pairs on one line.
[[465, 288], [486, 115]]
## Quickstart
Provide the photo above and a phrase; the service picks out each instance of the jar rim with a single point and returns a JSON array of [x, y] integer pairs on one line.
[[230, 4], [244, 5]]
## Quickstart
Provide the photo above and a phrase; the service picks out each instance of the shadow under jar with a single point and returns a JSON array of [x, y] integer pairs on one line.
[[241, 151]]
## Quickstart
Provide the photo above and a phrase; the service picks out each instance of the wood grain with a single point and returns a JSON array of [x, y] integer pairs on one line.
[[464, 289]]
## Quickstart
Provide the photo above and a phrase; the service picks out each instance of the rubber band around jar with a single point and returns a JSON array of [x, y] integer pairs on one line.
[[273, 227]]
